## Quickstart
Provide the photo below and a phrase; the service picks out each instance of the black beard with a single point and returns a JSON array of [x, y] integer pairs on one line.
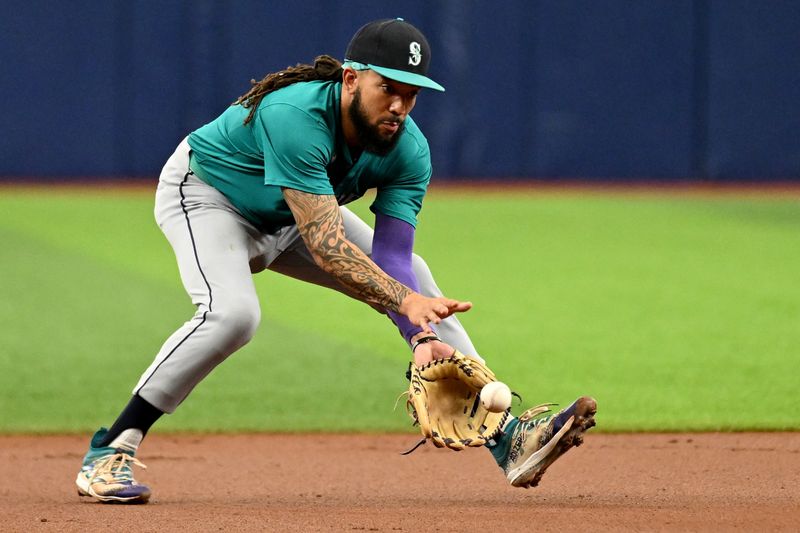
[[369, 136]]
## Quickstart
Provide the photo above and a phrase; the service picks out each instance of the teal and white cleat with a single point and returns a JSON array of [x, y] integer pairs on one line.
[[106, 473], [538, 441]]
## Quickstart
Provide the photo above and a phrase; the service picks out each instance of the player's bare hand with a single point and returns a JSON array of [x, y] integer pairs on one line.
[[422, 310]]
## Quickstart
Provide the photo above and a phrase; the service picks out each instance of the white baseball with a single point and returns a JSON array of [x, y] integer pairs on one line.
[[496, 396]]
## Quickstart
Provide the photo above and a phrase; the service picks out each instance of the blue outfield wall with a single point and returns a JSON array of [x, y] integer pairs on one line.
[[584, 89]]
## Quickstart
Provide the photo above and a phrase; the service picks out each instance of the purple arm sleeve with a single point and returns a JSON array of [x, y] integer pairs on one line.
[[391, 250]]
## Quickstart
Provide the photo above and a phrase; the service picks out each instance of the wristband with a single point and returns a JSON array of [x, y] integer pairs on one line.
[[423, 340]]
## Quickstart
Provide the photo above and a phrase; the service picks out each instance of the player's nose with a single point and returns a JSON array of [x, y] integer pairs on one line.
[[398, 107]]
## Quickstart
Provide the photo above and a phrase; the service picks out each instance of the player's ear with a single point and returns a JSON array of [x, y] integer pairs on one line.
[[349, 79]]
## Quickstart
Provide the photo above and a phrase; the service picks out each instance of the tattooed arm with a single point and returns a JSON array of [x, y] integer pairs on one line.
[[320, 225]]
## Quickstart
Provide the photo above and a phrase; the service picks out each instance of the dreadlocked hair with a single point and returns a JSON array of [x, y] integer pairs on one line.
[[325, 68]]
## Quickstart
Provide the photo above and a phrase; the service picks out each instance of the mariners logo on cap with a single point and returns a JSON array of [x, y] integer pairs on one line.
[[415, 54]]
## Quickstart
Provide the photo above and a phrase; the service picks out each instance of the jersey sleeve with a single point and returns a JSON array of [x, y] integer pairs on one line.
[[401, 195], [297, 147]]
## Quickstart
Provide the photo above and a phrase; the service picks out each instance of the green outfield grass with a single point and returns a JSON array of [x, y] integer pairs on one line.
[[676, 313]]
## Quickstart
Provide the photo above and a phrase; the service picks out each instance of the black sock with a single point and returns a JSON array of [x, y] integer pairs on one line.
[[138, 414]]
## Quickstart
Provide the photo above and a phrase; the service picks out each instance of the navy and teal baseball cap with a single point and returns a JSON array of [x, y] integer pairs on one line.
[[394, 49]]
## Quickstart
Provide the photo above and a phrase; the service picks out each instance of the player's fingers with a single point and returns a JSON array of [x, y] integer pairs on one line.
[[460, 307], [441, 310], [449, 307], [456, 306]]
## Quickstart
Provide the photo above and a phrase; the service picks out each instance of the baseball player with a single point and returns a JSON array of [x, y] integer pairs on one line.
[[263, 186]]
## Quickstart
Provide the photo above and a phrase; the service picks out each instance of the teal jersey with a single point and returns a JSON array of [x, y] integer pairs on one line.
[[294, 140]]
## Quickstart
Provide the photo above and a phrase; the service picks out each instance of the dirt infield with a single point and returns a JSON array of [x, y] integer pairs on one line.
[[663, 482]]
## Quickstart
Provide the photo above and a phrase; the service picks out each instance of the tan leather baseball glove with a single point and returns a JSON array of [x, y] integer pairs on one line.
[[444, 399]]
